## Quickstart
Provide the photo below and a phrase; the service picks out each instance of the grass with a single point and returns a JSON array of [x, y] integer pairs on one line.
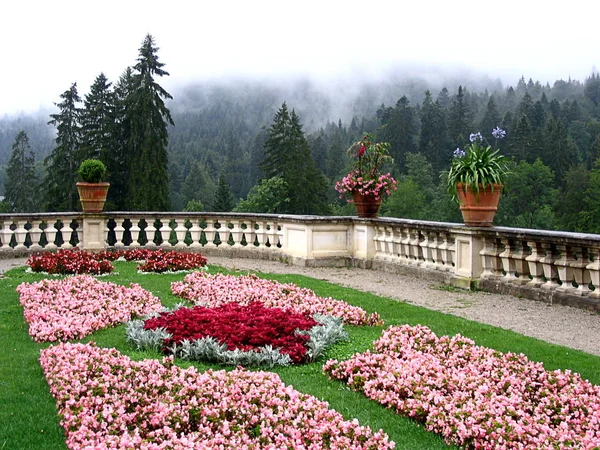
[[28, 418]]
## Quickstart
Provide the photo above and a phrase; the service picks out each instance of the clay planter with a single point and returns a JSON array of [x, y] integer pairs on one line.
[[92, 196], [367, 206], [479, 208]]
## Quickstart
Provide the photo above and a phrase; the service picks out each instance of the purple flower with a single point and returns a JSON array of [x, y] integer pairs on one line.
[[476, 137], [458, 153], [498, 133]]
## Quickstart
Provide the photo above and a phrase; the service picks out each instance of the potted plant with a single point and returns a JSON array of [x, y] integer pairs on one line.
[[476, 179], [92, 190], [366, 185]]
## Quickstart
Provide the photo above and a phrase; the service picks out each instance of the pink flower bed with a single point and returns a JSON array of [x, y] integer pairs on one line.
[[59, 310], [106, 400], [215, 290], [474, 396]]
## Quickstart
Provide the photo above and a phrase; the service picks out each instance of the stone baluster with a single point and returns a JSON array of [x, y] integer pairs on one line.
[[119, 230], [425, 245], [396, 244], [514, 261], [388, 242], [180, 232], [547, 262], [536, 269], [492, 264], [273, 236], [66, 232], [444, 252], [50, 232], [580, 272], [250, 234], [378, 239], [135, 232], [564, 267], [20, 235], [150, 231], [415, 244], [436, 252], [165, 233], [593, 269], [261, 235], [209, 233], [236, 233], [195, 234], [7, 235], [35, 233], [404, 245]]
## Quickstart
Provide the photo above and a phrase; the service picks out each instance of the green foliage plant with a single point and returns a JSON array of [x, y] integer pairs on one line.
[[478, 166], [92, 171]]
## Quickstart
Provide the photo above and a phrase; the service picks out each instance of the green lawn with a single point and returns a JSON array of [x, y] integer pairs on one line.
[[28, 417]]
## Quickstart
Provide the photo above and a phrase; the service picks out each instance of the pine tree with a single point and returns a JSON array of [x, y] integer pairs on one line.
[[20, 187], [117, 158], [97, 120], [223, 197], [61, 165], [433, 142], [491, 118], [148, 117], [288, 155], [459, 120]]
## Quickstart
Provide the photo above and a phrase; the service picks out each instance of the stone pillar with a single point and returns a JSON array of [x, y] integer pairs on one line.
[[93, 233], [468, 245]]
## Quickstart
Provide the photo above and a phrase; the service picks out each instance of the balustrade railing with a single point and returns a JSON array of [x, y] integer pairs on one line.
[[535, 263]]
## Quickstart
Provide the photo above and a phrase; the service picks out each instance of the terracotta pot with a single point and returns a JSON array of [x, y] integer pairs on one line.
[[366, 205], [479, 208], [92, 196]]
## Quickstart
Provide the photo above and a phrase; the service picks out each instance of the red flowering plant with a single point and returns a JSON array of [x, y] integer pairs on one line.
[[237, 334], [69, 262], [366, 175], [161, 261]]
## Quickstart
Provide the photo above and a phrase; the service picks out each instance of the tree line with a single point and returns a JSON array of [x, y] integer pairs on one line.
[[246, 150]]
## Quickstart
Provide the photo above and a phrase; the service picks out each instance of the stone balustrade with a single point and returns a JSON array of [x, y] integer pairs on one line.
[[549, 266]]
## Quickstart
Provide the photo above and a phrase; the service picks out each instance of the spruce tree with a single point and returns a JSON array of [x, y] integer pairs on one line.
[[98, 120], [288, 156], [62, 164], [459, 120], [117, 158], [433, 143], [20, 187], [148, 117], [223, 197]]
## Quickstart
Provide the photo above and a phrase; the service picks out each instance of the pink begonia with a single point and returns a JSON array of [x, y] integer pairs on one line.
[[59, 310], [475, 396], [108, 401], [215, 290]]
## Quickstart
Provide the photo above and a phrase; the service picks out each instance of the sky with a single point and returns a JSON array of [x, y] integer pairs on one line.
[[45, 46]]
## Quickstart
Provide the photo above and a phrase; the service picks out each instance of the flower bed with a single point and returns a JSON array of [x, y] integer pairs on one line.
[[474, 396], [215, 290], [75, 261], [238, 334], [59, 310], [106, 400], [69, 262], [160, 261]]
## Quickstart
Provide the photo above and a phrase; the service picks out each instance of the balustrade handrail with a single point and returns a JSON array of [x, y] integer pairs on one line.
[[551, 264]]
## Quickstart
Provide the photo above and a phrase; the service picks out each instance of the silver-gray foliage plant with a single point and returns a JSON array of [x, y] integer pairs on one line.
[[321, 337]]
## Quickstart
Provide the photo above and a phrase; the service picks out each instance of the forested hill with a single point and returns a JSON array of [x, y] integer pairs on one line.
[[553, 139]]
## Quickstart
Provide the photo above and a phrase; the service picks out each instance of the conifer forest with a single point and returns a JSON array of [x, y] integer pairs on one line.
[[256, 146]]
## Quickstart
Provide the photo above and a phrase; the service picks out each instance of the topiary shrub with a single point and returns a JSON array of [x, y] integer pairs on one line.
[[92, 171]]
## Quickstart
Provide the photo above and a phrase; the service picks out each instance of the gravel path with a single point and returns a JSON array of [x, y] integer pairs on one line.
[[557, 324]]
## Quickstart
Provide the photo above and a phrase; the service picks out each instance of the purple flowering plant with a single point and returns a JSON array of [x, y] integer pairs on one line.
[[478, 165], [366, 175]]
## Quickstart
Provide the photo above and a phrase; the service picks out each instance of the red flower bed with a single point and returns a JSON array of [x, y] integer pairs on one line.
[[75, 261], [239, 327], [171, 261], [67, 262]]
